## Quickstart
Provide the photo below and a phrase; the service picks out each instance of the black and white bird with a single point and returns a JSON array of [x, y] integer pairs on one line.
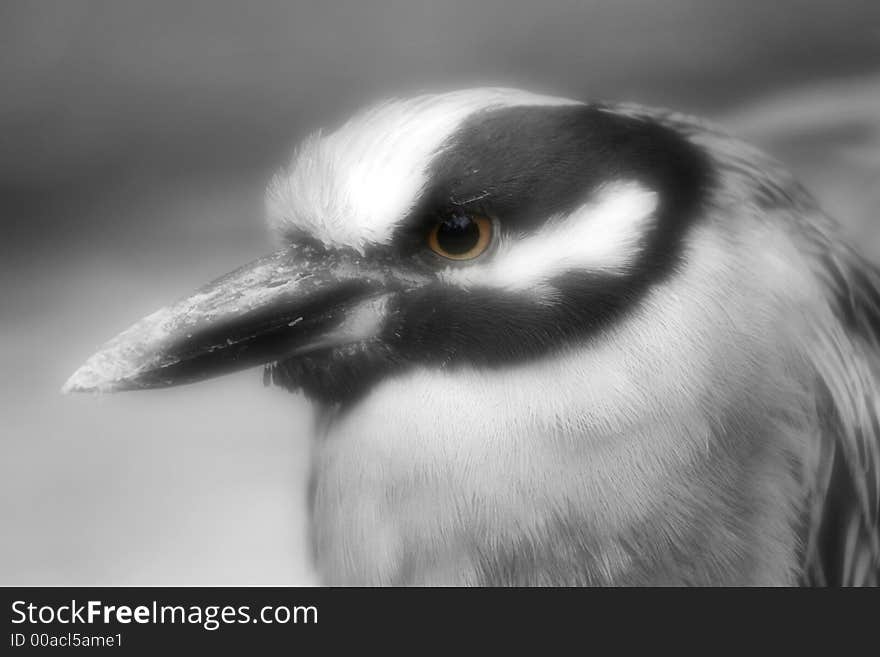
[[553, 343]]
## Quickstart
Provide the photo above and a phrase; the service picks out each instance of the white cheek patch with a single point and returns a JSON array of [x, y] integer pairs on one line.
[[351, 187], [603, 236]]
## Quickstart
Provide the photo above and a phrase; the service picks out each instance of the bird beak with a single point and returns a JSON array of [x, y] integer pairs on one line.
[[290, 302]]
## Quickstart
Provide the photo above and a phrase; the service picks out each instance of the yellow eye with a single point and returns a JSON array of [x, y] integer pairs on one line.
[[461, 236]]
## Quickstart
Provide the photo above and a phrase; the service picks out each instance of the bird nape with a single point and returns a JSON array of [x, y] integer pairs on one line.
[[553, 343]]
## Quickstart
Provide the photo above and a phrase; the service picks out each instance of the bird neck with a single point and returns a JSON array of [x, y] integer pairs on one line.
[[426, 483]]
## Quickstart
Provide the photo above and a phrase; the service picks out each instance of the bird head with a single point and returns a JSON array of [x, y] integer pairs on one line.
[[562, 343], [480, 228]]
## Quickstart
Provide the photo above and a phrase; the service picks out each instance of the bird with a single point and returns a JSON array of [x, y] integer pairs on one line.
[[552, 342]]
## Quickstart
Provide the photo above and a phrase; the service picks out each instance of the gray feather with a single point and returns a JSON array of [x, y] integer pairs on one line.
[[841, 496]]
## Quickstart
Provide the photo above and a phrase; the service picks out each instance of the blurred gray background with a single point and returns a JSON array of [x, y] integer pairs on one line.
[[135, 141]]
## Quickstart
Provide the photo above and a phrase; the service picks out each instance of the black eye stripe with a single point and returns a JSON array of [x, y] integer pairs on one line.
[[523, 165], [519, 167]]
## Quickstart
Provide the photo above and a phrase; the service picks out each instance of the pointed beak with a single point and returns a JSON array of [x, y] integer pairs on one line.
[[290, 302]]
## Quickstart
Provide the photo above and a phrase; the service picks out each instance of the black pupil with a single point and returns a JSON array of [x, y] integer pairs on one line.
[[458, 234]]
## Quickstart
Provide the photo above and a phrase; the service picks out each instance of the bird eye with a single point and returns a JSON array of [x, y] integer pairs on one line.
[[461, 236]]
